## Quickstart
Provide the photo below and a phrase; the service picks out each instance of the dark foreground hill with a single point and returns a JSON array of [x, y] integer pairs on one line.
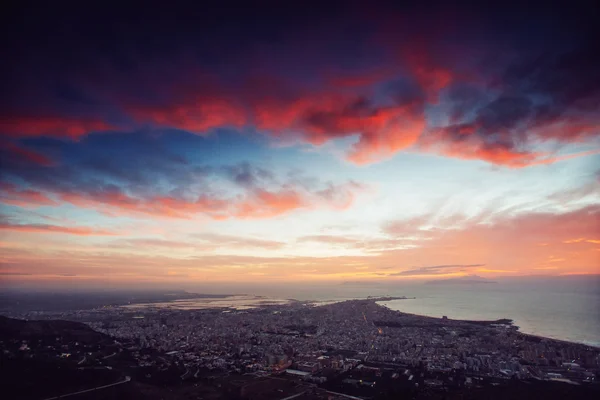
[[36, 330]]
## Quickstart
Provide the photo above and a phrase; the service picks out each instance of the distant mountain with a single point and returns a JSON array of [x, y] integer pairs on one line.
[[464, 280], [11, 328]]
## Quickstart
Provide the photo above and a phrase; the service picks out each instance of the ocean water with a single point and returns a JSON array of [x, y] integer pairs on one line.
[[559, 308], [565, 315]]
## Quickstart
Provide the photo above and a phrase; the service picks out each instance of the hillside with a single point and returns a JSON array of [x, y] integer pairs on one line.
[[11, 328]]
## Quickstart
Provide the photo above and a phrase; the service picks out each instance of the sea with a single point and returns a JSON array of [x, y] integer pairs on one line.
[[572, 316], [565, 309]]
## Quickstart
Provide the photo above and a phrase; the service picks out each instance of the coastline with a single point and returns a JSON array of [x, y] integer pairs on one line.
[[246, 301], [536, 336]]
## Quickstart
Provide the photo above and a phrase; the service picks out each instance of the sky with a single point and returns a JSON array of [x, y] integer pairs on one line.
[[277, 143]]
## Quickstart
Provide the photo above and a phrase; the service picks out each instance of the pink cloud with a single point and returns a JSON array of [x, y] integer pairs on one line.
[[43, 228], [11, 194], [26, 154], [31, 126], [256, 203]]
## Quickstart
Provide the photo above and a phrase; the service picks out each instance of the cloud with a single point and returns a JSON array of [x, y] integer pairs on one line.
[[462, 141], [115, 201], [44, 228], [577, 223], [382, 130], [315, 118], [262, 203], [360, 283], [139, 175], [63, 127], [21, 154], [199, 116], [368, 244], [522, 223], [357, 79], [590, 189], [342, 196], [247, 175], [521, 91], [568, 104], [152, 243], [328, 239], [266, 204], [255, 204], [507, 245], [436, 270], [534, 101], [2, 273], [511, 241], [13, 195], [232, 241], [414, 226]]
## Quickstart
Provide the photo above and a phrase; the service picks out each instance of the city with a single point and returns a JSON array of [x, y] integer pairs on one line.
[[350, 348]]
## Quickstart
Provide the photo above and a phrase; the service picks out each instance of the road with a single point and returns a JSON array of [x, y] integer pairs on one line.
[[185, 373], [294, 396], [62, 396], [345, 395]]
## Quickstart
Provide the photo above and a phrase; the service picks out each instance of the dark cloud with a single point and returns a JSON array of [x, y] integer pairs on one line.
[[503, 113], [548, 94], [551, 76], [269, 67], [247, 175], [565, 85], [463, 98]]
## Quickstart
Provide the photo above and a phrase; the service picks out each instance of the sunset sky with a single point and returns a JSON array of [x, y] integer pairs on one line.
[[260, 144]]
